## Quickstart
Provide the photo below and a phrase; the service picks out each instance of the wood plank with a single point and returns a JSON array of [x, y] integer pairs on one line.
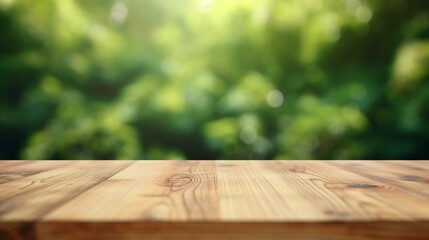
[[17, 230], [355, 187], [233, 230], [246, 195], [33, 196], [414, 181], [421, 165], [411, 205], [154, 190], [11, 163], [13, 170], [320, 192], [214, 199], [391, 195]]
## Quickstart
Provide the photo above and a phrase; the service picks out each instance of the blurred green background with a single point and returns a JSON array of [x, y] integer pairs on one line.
[[214, 79]]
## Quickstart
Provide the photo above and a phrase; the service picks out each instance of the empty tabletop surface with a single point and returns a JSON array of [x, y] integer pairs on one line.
[[214, 199]]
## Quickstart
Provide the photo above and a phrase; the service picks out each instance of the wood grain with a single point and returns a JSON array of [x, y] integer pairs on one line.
[[233, 230], [214, 199], [317, 191], [13, 170], [151, 190], [33, 196], [413, 180]]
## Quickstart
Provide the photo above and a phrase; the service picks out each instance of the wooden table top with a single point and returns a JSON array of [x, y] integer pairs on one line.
[[214, 199]]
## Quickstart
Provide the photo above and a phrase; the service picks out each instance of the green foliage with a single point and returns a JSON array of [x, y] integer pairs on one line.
[[214, 79]]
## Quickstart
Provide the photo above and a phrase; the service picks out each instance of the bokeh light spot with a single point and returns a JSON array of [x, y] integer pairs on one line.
[[275, 98]]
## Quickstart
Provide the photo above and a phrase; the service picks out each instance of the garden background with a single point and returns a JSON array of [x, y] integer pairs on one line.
[[219, 79]]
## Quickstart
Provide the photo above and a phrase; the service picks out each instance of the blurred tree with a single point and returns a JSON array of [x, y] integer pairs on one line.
[[214, 79]]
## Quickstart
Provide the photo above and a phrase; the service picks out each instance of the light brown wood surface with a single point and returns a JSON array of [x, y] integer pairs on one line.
[[214, 200]]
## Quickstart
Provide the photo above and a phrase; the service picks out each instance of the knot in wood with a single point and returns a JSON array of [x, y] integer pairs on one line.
[[362, 185], [412, 178], [179, 180], [297, 169]]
